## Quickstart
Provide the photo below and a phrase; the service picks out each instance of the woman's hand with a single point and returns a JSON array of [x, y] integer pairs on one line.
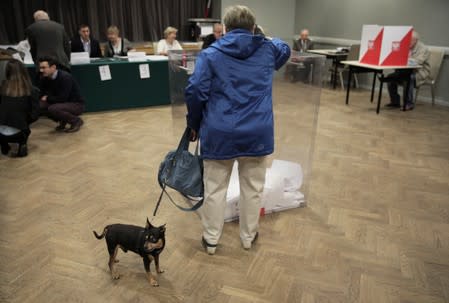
[[193, 135]]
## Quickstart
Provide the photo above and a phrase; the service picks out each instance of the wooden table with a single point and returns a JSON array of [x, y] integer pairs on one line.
[[336, 57], [378, 70]]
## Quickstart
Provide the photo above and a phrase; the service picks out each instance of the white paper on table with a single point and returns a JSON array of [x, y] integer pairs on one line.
[[157, 58], [79, 58], [144, 70], [105, 72]]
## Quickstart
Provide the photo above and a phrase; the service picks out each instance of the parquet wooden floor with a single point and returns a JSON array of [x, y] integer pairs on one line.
[[376, 228]]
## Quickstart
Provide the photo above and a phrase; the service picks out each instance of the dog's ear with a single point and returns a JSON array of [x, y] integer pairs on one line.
[[148, 225], [162, 228]]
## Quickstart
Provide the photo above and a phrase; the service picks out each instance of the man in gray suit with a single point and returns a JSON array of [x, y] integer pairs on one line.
[[48, 38], [301, 69], [419, 54], [303, 44]]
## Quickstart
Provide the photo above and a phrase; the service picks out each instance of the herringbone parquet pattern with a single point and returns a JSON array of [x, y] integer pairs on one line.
[[376, 228]]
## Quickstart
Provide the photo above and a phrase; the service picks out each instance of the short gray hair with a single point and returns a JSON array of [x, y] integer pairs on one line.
[[239, 16], [40, 15], [169, 30]]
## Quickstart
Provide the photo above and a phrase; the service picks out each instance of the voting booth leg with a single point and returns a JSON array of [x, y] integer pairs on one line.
[[373, 87], [348, 88], [380, 92], [407, 90]]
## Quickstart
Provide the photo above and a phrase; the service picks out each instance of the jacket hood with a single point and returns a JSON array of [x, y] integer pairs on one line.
[[239, 43]]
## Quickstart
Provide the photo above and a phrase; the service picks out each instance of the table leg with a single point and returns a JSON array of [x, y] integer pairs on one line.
[[335, 72], [380, 92], [374, 86], [406, 91], [349, 84]]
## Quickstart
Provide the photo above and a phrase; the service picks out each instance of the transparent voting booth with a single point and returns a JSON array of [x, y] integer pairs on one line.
[[296, 100]]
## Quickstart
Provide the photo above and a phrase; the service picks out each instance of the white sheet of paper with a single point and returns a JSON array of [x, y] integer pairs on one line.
[[144, 70], [105, 72], [190, 67]]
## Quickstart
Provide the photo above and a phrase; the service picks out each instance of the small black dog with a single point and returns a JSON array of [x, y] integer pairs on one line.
[[147, 242]]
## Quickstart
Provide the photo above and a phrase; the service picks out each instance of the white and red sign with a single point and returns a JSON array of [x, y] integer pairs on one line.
[[385, 45]]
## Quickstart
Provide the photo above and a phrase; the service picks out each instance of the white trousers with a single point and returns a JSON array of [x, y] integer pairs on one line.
[[216, 180]]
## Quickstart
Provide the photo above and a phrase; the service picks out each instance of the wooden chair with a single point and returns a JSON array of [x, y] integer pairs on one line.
[[436, 59], [352, 55]]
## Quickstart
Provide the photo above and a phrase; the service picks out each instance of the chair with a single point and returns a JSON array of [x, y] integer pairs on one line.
[[436, 58], [352, 55]]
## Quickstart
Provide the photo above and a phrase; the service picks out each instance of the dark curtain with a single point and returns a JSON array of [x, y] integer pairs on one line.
[[138, 20]]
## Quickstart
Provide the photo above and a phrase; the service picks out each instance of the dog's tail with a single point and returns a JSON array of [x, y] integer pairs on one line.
[[99, 237]]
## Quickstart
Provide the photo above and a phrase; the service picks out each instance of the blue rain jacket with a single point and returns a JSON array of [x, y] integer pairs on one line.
[[229, 95]]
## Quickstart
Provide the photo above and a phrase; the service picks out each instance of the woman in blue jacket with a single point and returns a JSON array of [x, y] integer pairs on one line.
[[229, 101]]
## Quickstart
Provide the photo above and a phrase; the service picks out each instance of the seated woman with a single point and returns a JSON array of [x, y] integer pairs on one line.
[[169, 43], [19, 107], [116, 45]]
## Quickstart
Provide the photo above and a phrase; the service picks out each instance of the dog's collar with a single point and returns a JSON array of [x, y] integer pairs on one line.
[[141, 242]]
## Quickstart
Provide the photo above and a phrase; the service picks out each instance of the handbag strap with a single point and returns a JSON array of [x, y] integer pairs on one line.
[[184, 142], [193, 208], [183, 145]]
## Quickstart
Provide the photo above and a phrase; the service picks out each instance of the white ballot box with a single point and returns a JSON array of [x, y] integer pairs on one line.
[[296, 101], [181, 64]]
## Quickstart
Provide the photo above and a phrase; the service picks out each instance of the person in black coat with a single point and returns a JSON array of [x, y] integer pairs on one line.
[[19, 107], [48, 38], [84, 42], [211, 38], [60, 96]]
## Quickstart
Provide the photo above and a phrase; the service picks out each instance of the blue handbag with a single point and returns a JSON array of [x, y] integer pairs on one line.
[[183, 172]]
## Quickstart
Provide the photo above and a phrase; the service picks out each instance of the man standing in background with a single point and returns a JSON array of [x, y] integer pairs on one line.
[[48, 38]]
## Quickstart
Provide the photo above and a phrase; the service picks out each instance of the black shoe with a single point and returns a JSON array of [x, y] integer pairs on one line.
[[23, 151], [5, 149], [61, 126], [75, 126], [393, 105], [409, 106]]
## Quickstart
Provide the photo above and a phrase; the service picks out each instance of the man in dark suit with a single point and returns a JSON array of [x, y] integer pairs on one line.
[[301, 71], [60, 96], [303, 44], [48, 38], [84, 42], [211, 38]]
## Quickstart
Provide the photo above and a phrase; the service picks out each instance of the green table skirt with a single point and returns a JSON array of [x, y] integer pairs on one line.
[[125, 89]]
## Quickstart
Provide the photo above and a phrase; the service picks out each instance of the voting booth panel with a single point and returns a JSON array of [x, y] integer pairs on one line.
[[385, 45], [296, 98]]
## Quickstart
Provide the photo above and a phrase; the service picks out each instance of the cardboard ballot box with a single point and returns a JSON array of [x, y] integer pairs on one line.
[[385, 45]]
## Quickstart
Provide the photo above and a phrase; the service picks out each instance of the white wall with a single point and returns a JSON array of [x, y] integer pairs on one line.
[[276, 17]]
